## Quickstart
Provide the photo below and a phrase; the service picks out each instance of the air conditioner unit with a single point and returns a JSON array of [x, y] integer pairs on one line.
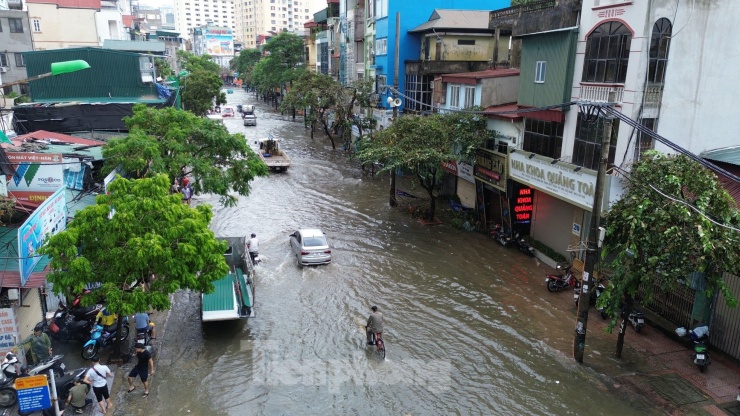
[[4, 69]]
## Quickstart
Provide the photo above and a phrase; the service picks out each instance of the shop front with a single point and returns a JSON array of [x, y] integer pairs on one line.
[[562, 198], [459, 181], [492, 204]]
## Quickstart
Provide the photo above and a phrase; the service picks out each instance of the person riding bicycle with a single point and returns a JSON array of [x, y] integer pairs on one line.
[[374, 325]]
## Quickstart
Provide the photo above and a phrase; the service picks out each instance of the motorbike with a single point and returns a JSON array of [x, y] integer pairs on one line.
[[599, 290], [66, 327], [103, 337], [10, 366], [523, 246], [700, 336], [555, 282], [499, 234], [637, 320]]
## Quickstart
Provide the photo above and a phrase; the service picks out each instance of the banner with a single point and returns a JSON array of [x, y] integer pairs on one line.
[[48, 219], [219, 42], [37, 175]]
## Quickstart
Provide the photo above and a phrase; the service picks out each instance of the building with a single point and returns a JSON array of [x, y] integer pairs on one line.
[[351, 40], [16, 39], [167, 16], [57, 24], [269, 17], [109, 21], [190, 14], [216, 41]]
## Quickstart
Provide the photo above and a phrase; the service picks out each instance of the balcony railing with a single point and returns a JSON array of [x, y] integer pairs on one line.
[[653, 94], [525, 8], [602, 93]]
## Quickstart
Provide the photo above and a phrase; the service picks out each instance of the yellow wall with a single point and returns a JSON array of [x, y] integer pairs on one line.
[[63, 28], [451, 51]]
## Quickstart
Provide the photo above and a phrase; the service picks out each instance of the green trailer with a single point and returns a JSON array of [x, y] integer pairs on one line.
[[233, 295]]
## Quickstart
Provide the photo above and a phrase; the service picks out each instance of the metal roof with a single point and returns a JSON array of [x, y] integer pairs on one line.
[[222, 297], [726, 154], [443, 19], [150, 46], [9, 275]]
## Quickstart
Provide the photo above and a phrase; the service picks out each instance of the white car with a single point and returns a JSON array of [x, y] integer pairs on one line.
[[310, 247]]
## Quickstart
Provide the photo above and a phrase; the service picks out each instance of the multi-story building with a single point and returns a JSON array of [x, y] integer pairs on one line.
[[109, 21], [63, 23], [167, 17], [270, 17], [352, 40], [194, 13], [15, 38], [216, 41]]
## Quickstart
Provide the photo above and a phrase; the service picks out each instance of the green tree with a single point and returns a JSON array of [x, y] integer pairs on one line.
[[166, 140], [421, 144], [192, 62], [150, 247], [658, 240], [314, 92], [282, 63], [163, 68], [200, 89], [245, 62]]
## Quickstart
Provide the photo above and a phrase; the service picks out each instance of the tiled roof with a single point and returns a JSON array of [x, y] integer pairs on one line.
[[455, 19], [71, 4], [54, 137], [128, 21]]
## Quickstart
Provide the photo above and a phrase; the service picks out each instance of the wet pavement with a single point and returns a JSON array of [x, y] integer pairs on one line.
[[470, 326]]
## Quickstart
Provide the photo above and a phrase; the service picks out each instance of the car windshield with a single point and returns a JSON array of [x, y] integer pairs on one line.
[[314, 241], [228, 110]]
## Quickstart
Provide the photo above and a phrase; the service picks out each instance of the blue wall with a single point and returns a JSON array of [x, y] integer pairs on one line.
[[413, 14]]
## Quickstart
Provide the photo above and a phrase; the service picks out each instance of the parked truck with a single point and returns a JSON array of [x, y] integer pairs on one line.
[[273, 156]]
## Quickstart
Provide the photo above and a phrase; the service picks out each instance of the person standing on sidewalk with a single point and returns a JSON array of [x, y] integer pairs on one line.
[[39, 342], [145, 363], [98, 377]]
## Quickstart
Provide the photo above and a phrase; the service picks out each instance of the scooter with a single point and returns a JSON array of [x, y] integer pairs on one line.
[[65, 327], [555, 282], [498, 234], [102, 338], [10, 366], [700, 336], [637, 320], [63, 383], [599, 290], [523, 246]]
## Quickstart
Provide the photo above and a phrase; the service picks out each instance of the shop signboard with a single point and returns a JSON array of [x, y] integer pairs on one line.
[[48, 219], [8, 330], [490, 168], [37, 175], [564, 181], [33, 393], [465, 171], [450, 167]]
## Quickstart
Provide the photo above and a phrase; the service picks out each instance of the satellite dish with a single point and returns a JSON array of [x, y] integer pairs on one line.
[[397, 102]]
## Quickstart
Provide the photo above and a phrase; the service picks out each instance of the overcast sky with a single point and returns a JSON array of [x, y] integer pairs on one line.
[[315, 5]]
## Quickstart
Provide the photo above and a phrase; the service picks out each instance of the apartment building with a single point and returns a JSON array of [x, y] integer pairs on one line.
[[190, 14], [270, 17]]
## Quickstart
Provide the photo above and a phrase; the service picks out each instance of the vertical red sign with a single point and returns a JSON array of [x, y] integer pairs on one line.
[[523, 205]]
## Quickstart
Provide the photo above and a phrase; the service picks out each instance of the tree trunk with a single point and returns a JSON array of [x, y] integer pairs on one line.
[[116, 353], [328, 133], [623, 326], [429, 186]]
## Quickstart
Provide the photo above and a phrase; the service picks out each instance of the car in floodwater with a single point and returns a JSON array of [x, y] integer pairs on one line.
[[227, 112], [310, 247], [249, 119]]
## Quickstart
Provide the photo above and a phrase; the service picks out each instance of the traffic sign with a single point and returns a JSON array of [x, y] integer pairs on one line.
[[33, 393]]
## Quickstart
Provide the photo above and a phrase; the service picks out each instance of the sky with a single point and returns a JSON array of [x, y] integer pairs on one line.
[[315, 6]]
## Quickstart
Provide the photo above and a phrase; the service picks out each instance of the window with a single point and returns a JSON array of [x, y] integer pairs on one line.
[[4, 59], [543, 137], [418, 90], [381, 46], [16, 25], [539, 72], [644, 142], [381, 8], [25, 90], [659, 43], [455, 96], [607, 54], [19, 60], [466, 42], [469, 97], [587, 147], [36, 23]]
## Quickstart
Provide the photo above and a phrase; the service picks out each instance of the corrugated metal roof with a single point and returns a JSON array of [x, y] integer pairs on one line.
[[442, 19], [726, 154], [59, 143], [222, 298], [145, 46], [9, 275]]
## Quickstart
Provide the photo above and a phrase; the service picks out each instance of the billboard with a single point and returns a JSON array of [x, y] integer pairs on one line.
[[37, 175], [48, 219], [219, 41]]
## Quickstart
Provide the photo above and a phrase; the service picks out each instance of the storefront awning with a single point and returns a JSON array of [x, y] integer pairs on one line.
[[12, 279]]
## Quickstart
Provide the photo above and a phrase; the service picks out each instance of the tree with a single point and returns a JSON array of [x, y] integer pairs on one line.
[[200, 89], [422, 144], [245, 62], [314, 92], [163, 68], [282, 63], [166, 140], [192, 62], [658, 240], [150, 247]]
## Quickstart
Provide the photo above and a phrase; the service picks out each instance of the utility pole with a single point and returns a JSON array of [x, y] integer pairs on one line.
[[592, 253], [392, 201]]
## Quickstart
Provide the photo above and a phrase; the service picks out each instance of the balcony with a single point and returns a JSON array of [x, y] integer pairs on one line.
[[653, 95], [601, 93]]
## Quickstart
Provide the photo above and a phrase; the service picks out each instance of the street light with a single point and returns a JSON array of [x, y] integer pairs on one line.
[[57, 68]]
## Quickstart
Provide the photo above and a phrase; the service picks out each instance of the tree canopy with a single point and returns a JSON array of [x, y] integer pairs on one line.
[[200, 90], [421, 144], [658, 241], [282, 62], [192, 62], [245, 63], [166, 140], [150, 247]]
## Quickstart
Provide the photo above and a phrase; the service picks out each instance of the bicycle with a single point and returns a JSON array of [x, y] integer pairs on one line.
[[377, 338]]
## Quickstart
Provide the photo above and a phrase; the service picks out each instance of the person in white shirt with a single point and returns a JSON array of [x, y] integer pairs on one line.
[[253, 245], [97, 376]]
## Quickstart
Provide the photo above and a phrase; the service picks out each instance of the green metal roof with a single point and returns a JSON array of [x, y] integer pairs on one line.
[[9, 251], [95, 100], [726, 154], [245, 293], [222, 298], [144, 46]]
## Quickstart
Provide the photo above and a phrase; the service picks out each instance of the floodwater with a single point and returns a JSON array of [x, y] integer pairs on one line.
[[470, 327]]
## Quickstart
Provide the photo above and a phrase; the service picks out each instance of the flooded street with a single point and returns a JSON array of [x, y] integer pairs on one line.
[[469, 325]]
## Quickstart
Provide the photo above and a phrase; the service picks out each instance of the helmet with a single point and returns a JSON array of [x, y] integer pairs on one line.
[[39, 327], [374, 308], [254, 235], [24, 369]]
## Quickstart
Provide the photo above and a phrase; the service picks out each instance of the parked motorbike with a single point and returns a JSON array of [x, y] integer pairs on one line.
[[555, 282], [700, 336], [599, 290], [10, 366], [102, 338], [498, 234], [637, 320], [64, 382], [66, 327], [522, 245]]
